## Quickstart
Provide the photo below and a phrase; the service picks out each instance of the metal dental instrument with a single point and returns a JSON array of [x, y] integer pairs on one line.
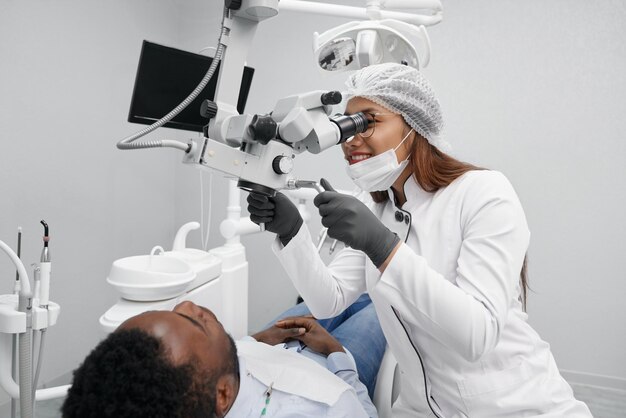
[[304, 184], [16, 289], [331, 250], [45, 268]]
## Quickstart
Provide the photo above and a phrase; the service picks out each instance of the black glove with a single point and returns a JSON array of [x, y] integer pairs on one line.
[[351, 222], [278, 213]]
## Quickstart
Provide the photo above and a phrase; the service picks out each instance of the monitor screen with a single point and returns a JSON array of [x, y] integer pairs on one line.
[[165, 77]]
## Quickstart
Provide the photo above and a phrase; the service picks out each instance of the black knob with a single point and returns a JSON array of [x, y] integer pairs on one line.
[[331, 98], [208, 109], [263, 128], [282, 164], [233, 4]]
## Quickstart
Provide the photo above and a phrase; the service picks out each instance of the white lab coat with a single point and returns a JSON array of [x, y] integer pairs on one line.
[[449, 299]]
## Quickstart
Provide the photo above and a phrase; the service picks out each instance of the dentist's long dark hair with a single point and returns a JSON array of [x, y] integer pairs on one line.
[[434, 169]]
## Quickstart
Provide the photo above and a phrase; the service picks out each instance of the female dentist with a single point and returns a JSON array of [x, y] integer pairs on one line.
[[440, 248]]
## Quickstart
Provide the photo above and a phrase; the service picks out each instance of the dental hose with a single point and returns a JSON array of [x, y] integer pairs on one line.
[[25, 350], [44, 294], [42, 344], [26, 375], [127, 143]]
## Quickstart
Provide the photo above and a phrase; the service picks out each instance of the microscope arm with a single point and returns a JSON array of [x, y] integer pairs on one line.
[[364, 13]]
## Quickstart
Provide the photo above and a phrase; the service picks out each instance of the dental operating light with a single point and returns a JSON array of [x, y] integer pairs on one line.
[[355, 45], [381, 35]]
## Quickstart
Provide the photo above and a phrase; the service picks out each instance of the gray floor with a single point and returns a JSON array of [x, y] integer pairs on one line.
[[604, 403], [49, 409]]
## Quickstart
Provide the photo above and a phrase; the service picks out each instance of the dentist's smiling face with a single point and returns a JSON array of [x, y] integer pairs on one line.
[[388, 131]]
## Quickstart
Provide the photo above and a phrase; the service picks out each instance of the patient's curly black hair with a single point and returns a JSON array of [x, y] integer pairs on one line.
[[129, 375]]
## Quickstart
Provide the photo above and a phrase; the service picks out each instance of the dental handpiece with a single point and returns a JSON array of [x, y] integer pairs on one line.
[[45, 268], [16, 286]]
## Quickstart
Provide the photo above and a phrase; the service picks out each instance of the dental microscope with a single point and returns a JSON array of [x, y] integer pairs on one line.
[[267, 144]]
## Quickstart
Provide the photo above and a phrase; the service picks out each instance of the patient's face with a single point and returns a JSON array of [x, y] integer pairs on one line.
[[189, 333]]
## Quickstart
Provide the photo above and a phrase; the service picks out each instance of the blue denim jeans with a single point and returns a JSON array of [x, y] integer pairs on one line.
[[357, 328]]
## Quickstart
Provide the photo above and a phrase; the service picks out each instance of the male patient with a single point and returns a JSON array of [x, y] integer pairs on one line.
[[182, 363]]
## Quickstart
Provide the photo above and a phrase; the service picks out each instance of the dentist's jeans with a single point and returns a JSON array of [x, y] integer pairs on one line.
[[357, 328]]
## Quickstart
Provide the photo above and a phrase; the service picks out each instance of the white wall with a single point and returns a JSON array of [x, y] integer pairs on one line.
[[535, 89]]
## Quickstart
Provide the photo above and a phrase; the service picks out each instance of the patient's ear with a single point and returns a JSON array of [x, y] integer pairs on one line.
[[225, 394]]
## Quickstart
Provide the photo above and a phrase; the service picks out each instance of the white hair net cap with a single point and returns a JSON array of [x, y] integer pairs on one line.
[[401, 89]]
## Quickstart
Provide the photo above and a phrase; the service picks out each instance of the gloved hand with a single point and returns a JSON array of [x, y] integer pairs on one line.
[[350, 221], [278, 213]]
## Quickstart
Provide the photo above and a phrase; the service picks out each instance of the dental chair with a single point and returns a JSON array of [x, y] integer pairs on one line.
[[387, 385]]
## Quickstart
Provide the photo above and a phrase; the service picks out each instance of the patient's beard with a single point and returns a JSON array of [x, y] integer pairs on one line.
[[200, 399]]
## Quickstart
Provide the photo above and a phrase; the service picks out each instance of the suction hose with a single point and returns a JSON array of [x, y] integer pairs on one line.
[[26, 375]]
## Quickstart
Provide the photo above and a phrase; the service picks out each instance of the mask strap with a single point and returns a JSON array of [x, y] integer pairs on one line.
[[403, 139], [401, 142]]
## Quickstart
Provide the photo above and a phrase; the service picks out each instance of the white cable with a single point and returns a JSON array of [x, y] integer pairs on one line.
[[200, 135], [207, 48], [25, 289], [205, 243], [202, 208], [204, 237]]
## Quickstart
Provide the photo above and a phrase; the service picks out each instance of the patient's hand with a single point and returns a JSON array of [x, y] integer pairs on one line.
[[315, 337], [275, 335]]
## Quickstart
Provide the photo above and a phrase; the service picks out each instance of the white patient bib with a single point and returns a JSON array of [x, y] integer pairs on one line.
[[291, 372]]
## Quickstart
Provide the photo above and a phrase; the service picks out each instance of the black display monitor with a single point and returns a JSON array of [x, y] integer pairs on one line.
[[165, 77]]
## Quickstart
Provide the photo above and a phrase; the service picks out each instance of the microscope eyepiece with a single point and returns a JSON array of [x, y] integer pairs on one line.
[[331, 98], [350, 125]]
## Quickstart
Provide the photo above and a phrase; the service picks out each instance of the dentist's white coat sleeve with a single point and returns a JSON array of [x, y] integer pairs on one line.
[[328, 291], [466, 316]]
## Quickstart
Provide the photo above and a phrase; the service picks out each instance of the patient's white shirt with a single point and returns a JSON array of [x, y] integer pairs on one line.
[[251, 398]]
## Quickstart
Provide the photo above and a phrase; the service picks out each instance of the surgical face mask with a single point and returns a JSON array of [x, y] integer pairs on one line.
[[380, 172]]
